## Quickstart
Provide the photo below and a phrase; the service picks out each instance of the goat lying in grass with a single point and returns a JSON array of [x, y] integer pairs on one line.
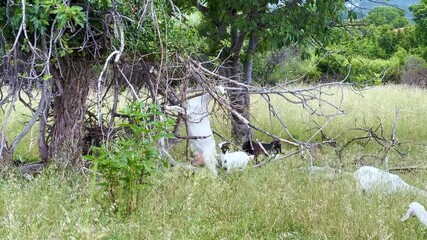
[[256, 149], [417, 210], [371, 178], [233, 160]]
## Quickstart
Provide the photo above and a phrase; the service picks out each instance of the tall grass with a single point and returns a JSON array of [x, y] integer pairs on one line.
[[27, 150], [366, 109], [368, 106], [279, 201]]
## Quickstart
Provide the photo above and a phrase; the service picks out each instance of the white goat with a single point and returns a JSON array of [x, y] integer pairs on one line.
[[371, 178], [199, 126], [417, 210], [233, 160]]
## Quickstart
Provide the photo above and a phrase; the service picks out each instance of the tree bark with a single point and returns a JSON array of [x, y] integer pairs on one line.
[[46, 99], [247, 68], [69, 107], [241, 98], [41, 139], [6, 156], [238, 99], [253, 42], [239, 103]]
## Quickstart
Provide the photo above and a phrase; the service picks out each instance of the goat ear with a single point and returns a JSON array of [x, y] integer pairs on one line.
[[227, 148]]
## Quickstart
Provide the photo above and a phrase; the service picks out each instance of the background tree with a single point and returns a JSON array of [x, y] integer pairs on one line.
[[420, 19], [386, 15], [66, 49], [56, 49], [235, 30]]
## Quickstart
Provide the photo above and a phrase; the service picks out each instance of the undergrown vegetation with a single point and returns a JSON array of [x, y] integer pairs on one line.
[[125, 163], [281, 200], [278, 201], [308, 73]]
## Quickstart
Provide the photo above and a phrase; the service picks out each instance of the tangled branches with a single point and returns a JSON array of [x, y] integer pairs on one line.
[[377, 135]]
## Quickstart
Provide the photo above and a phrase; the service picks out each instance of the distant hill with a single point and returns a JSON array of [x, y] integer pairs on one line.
[[365, 6]]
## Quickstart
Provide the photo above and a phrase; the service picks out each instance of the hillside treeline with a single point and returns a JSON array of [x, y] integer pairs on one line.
[[382, 47]]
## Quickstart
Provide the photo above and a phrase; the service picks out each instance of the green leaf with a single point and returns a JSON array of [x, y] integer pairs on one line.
[[47, 77]]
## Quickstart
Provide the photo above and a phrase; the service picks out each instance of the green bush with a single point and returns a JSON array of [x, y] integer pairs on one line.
[[386, 15], [125, 163], [283, 65], [361, 69]]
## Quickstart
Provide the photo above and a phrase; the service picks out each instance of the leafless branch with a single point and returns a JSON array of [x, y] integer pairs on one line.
[[377, 135], [312, 98]]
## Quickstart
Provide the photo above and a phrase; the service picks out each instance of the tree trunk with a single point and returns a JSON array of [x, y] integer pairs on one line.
[[238, 99], [247, 68], [239, 131], [6, 156], [69, 107], [253, 42], [42, 143], [46, 97], [241, 98]]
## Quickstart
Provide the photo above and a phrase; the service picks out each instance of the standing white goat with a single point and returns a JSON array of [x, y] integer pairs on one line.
[[417, 210], [233, 160], [198, 125]]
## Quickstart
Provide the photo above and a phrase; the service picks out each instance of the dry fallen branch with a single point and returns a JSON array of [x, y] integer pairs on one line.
[[407, 168], [377, 136], [274, 159], [174, 83], [207, 80], [32, 168]]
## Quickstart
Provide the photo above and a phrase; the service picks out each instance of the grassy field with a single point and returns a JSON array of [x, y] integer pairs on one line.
[[279, 201], [27, 150]]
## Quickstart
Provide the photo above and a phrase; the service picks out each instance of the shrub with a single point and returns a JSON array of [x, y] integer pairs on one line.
[[282, 65], [362, 69], [125, 163]]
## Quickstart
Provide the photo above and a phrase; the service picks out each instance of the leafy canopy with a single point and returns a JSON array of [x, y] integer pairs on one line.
[[420, 18], [275, 23], [386, 15]]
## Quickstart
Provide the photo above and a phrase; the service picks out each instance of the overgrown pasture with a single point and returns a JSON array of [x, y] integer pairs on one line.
[[279, 201]]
